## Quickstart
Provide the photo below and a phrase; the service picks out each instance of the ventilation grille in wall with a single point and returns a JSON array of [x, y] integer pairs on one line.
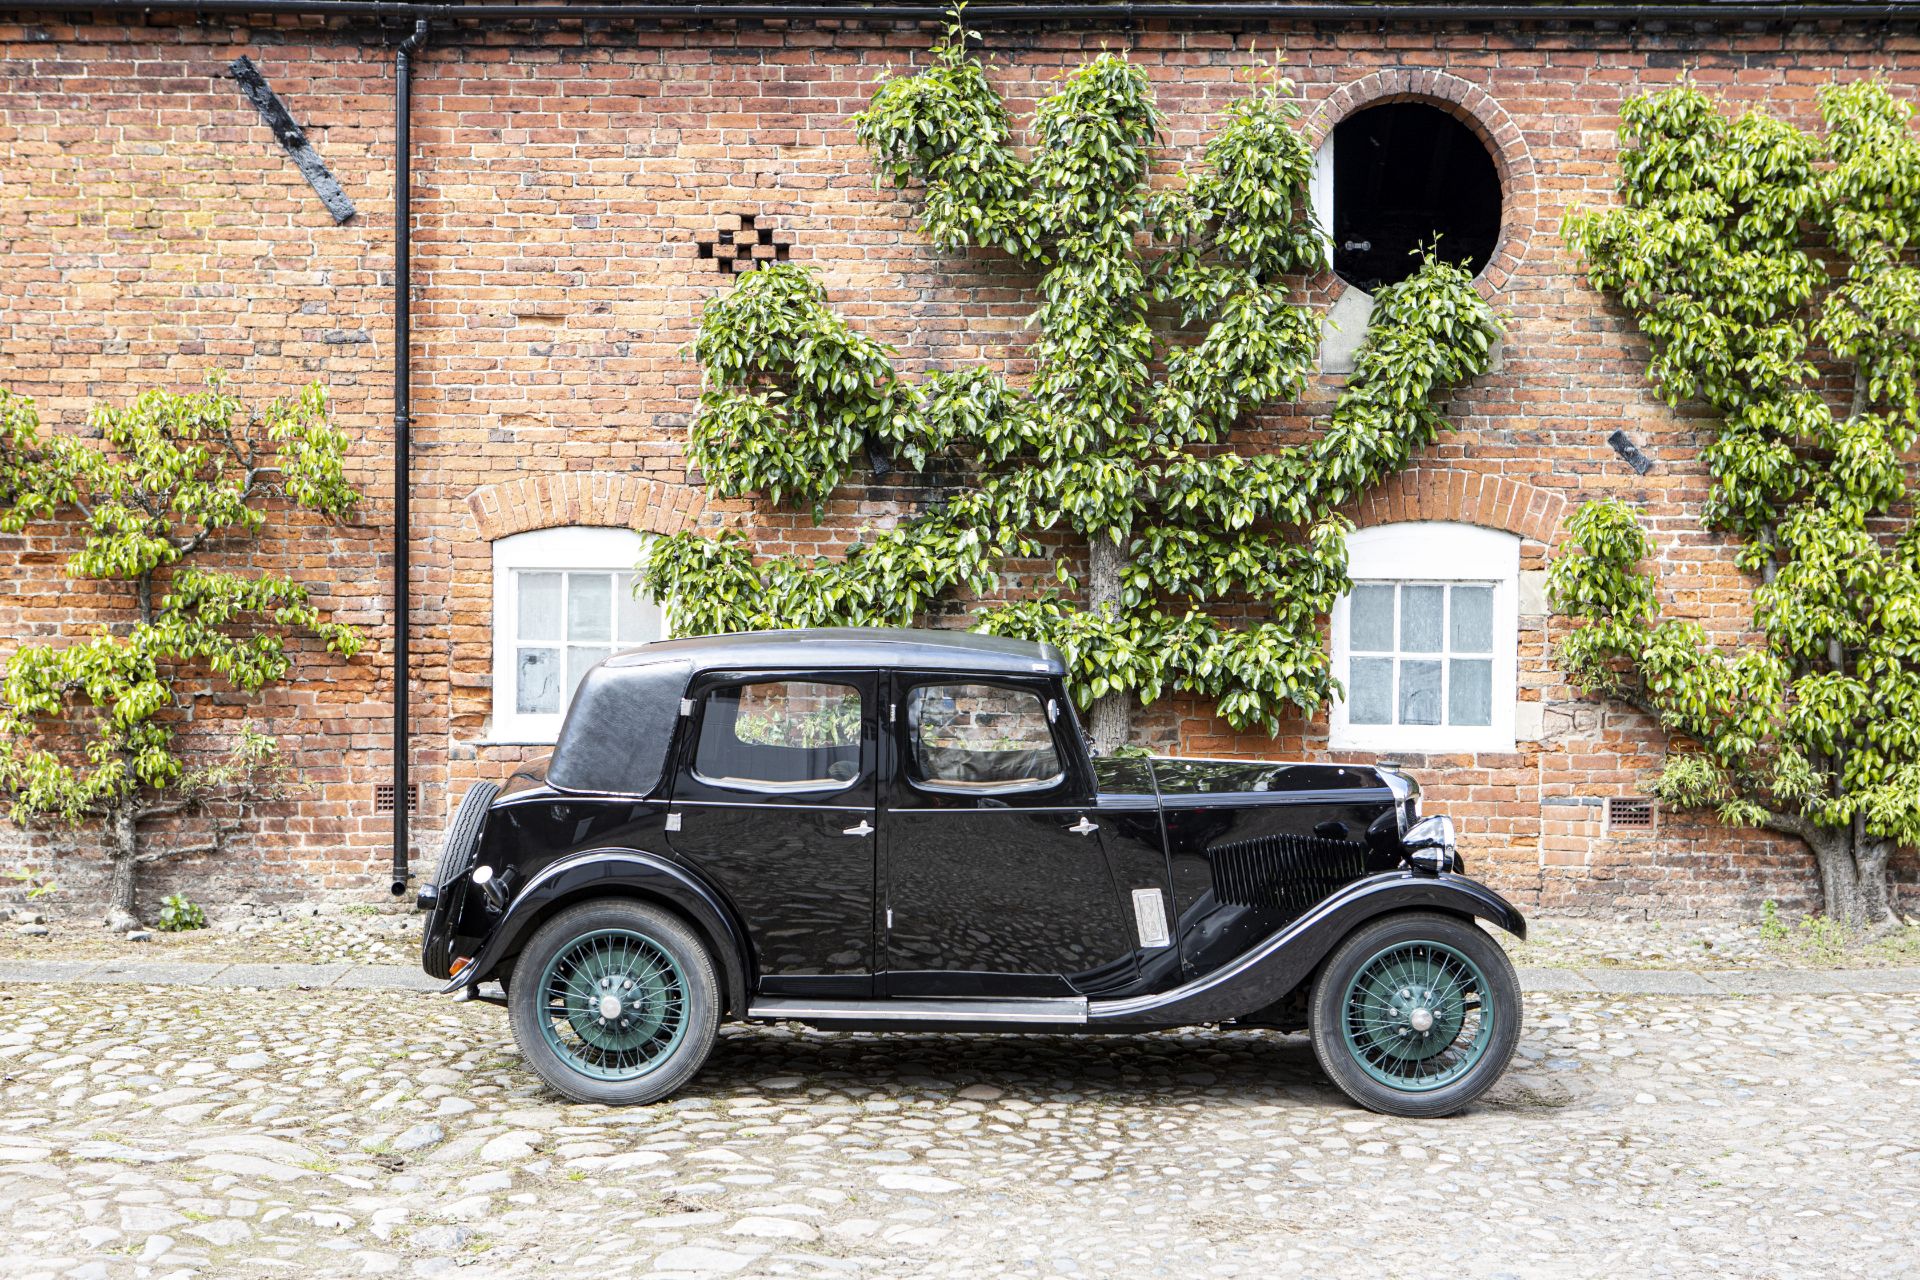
[[383, 797], [1631, 815], [752, 245]]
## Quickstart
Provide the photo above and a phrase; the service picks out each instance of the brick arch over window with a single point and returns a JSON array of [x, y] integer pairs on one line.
[[1474, 107], [1466, 497], [595, 498]]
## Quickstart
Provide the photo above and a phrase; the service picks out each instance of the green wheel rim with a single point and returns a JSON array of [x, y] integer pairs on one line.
[[1416, 1016], [613, 1004]]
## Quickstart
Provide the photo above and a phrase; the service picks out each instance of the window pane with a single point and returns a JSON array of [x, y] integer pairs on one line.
[[638, 617], [1470, 691], [780, 736], [1419, 693], [1471, 625], [980, 737], [537, 682], [1370, 691], [539, 606], [579, 658], [590, 606], [1370, 618], [1420, 609]]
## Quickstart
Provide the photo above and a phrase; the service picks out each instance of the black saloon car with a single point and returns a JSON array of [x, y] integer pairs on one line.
[[906, 829]]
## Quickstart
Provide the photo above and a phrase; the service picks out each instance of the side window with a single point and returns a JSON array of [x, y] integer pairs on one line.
[[780, 736], [980, 738]]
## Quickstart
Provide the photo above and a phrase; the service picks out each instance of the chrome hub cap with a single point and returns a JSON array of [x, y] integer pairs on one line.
[[609, 1008]]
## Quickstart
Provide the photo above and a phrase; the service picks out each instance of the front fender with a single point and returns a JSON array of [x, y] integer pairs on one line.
[[618, 873], [1265, 973]]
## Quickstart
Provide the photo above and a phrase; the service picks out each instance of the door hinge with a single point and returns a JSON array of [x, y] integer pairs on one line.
[[889, 917], [686, 706]]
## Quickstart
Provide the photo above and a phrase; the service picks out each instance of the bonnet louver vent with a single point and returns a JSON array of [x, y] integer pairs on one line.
[[1289, 873]]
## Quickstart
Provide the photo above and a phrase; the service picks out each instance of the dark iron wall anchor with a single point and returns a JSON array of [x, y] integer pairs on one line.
[[291, 137]]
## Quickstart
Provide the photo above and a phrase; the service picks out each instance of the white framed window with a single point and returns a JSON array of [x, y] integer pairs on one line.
[[1426, 643], [562, 600]]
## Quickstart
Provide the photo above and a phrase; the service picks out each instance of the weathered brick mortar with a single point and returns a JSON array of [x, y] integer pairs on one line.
[[151, 229]]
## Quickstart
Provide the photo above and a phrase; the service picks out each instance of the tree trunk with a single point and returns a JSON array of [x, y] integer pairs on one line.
[[1112, 716], [1853, 870], [123, 846]]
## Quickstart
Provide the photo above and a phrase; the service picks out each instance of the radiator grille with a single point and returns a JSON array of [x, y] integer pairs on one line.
[[1291, 873]]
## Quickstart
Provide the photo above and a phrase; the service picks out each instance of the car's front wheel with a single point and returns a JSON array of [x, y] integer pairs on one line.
[[1416, 1014], [615, 1002]]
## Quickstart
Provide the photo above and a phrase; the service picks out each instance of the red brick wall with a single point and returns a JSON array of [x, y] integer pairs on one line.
[[151, 229]]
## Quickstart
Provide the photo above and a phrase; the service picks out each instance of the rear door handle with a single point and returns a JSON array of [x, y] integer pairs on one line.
[[864, 829], [1084, 827]]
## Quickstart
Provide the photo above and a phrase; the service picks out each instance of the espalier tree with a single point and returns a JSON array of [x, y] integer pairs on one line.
[[1167, 316], [89, 728], [1773, 274]]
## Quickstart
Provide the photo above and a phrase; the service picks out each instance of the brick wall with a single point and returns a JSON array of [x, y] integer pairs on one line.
[[565, 183]]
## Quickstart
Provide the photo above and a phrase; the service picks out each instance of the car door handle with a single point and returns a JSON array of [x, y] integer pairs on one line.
[[864, 829], [1083, 827]]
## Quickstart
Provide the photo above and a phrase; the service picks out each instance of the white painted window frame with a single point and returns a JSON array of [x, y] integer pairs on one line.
[[1435, 551], [571, 548]]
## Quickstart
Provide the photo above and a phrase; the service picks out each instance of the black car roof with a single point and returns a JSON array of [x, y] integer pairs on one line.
[[615, 736], [852, 647]]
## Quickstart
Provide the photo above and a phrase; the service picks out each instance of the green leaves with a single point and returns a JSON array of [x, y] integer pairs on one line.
[[1759, 260], [88, 726], [1094, 444]]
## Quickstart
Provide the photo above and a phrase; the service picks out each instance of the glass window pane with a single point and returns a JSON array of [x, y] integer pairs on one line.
[[981, 738], [537, 682], [539, 606], [779, 736], [590, 606], [579, 658], [1370, 618], [1370, 691], [637, 617], [1471, 624], [1420, 609], [1419, 693], [1470, 691]]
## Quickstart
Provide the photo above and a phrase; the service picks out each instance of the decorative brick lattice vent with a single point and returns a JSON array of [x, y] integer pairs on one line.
[[383, 797], [743, 245], [1632, 815]]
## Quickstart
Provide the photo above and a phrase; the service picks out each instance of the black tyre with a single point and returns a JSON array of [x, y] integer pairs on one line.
[[1415, 1014], [615, 1002], [456, 856]]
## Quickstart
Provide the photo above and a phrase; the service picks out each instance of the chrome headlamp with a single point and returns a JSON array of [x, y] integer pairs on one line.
[[1429, 845], [1406, 797]]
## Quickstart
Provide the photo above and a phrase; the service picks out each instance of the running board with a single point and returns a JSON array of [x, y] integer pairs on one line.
[[1047, 1012]]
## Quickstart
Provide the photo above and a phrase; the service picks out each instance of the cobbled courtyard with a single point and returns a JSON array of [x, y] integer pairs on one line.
[[193, 1131]]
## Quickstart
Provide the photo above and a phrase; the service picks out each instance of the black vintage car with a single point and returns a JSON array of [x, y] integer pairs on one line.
[[906, 829]]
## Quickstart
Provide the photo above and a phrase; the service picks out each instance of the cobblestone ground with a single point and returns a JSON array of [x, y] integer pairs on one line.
[[150, 1131]]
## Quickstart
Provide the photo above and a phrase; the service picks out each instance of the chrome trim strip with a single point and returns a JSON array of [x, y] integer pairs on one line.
[[801, 1009]]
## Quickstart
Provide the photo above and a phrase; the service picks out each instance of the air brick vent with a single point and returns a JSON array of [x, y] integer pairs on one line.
[[736, 249], [1632, 815], [383, 797]]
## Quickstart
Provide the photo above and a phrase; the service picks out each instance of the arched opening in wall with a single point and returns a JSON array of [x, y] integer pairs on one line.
[[1406, 175]]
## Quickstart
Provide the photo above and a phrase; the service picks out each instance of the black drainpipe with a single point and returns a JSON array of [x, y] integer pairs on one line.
[[402, 434]]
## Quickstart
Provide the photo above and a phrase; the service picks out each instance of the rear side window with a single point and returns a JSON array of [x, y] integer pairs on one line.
[[980, 738], [779, 736]]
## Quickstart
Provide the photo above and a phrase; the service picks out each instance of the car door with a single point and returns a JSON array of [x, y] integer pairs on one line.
[[773, 797], [995, 882]]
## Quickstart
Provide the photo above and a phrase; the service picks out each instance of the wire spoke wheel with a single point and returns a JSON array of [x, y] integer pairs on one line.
[[1416, 1016], [614, 1004]]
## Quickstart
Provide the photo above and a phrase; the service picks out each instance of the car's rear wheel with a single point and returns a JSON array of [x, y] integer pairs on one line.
[[1416, 1014], [615, 1002]]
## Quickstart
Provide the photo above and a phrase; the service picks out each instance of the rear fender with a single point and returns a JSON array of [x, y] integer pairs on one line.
[[1266, 973], [618, 873]]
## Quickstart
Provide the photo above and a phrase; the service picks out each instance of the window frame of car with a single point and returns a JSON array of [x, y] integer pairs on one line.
[[692, 786], [1072, 785], [1439, 553]]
